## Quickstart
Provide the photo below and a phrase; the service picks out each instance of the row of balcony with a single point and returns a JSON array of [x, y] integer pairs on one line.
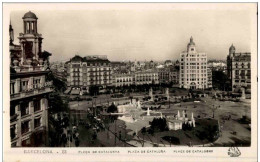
[[23, 69], [33, 89]]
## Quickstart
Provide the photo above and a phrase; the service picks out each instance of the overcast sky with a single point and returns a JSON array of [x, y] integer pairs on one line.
[[131, 34]]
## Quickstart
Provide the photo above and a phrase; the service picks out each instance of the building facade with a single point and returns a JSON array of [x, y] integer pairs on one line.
[[209, 78], [29, 87], [136, 78], [193, 68], [239, 70], [120, 80], [84, 72], [169, 75], [146, 77]]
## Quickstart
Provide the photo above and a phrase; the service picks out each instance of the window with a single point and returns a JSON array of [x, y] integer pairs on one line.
[[28, 24], [32, 26], [248, 74], [24, 107], [25, 127], [37, 122], [236, 65], [12, 88], [24, 85], [36, 83], [12, 110], [26, 142], [13, 131], [37, 105]]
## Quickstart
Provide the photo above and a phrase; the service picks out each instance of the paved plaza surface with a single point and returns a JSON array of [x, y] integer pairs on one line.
[[233, 132]]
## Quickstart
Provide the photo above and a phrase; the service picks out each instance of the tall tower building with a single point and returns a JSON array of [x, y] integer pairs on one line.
[[29, 87], [30, 39], [239, 70], [193, 68], [11, 34]]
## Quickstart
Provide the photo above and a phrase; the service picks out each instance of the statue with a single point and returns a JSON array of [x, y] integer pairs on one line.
[[138, 105], [148, 111], [151, 93], [192, 119], [167, 93], [243, 95]]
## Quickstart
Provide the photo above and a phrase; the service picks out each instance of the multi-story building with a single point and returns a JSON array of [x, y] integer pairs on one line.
[[209, 78], [59, 71], [29, 88], [168, 63], [193, 68], [123, 79], [84, 72], [239, 70], [217, 65], [174, 76], [146, 77], [163, 74], [169, 75]]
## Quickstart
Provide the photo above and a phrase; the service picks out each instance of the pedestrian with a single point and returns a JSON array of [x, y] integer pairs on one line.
[[77, 135], [77, 142], [120, 135]]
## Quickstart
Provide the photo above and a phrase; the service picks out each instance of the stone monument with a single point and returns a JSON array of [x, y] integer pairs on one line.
[[243, 95], [167, 93], [148, 111], [151, 93]]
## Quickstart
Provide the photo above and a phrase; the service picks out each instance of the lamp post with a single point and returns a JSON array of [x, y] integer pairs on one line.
[[115, 132], [125, 135], [214, 108], [77, 113]]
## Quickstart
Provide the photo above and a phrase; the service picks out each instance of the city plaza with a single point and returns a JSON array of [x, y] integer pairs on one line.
[[132, 124]]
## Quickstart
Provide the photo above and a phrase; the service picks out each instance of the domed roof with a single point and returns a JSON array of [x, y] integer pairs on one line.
[[30, 15], [168, 61], [191, 42], [232, 47]]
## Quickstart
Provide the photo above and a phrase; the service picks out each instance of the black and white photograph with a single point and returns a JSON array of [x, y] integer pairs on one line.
[[131, 75]]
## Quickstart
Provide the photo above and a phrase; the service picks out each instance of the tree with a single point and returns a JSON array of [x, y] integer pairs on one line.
[[159, 124], [143, 131], [220, 80], [59, 85], [112, 108], [93, 90], [57, 104]]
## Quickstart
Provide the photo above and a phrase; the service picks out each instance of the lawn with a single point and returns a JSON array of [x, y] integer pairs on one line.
[[201, 134]]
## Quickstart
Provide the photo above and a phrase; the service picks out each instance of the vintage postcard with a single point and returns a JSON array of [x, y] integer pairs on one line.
[[130, 81]]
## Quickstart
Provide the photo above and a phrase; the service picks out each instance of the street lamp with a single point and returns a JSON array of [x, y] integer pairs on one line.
[[77, 112]]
